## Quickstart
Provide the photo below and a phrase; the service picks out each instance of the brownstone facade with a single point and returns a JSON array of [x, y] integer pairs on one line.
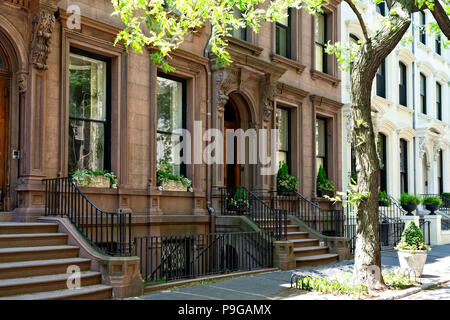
[[36, 39]]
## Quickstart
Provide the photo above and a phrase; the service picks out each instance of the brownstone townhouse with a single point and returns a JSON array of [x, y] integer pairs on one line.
[[72, 99]]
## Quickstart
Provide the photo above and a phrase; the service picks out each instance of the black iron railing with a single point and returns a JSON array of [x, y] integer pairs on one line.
[[172, 257], [109, 232], [242, 201], [390, 224], [329, 222]]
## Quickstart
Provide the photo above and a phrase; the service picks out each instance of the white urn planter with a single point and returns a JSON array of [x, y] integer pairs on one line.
[[412, 261]]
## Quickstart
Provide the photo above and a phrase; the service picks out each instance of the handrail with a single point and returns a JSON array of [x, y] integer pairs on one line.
[[242, 201], [109, 232], [329, 222]]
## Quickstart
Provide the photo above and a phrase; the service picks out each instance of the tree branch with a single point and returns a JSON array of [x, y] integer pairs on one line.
[[441, 18], [360, 18]]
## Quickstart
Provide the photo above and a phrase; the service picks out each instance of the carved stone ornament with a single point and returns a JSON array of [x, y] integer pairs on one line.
[[43, 25], [269, 92], [436, 148], [224, 81], [22, 82], [422, 141]]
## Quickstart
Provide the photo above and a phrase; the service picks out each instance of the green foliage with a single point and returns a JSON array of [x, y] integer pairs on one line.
[[164, 176], [432, 200], [284, 179], [397, 281], [445, 195], [337, 287], [384, 198], [412, 238], [406, 199], [323, 184], [83, 177], [240, 199], [353, 196]]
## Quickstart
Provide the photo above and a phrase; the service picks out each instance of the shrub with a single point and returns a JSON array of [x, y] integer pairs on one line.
[[284, 179], [406, 199], [446, 194], [432, 200], [84, 177], [240, 198], [384, 198], [323, 184], [412, 238]]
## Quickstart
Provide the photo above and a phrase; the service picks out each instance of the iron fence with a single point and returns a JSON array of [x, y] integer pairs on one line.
[[329, 222], [172, 257], [242, 201], [425, 226], [109, 232]]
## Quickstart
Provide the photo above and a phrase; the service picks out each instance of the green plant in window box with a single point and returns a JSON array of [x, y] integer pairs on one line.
[[239, 201], [94, 178], [172, 182], [285, 181], [325, 187]]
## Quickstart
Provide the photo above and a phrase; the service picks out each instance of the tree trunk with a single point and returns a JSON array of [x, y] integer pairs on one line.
[[367, 267]]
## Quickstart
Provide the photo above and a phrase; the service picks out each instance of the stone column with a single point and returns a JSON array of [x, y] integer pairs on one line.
[[32, 168], [435, 228]]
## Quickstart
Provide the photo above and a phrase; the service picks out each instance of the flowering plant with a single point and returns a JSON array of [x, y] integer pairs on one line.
[[285, 181]]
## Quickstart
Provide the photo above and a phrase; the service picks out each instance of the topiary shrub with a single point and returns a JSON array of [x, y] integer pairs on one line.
[[432, 200], [406, 199], [412, 238]]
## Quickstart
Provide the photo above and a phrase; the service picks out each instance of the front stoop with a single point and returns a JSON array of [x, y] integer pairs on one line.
[[34, 259]]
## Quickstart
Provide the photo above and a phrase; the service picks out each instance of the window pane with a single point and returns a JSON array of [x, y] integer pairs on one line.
[[170, 104], [282, 41], [86, 145], [240, 34], [320, 138], [283, 127], [165, 151], [320, 28], [319, 58], [282, 156], [320, 162], [2, 62], [285, 21], [87, 92]]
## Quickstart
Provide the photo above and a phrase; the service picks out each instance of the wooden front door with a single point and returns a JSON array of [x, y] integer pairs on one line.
[[4, 98], [232, 174]]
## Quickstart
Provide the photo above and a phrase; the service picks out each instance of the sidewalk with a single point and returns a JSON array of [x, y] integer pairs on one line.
[[276, 285]]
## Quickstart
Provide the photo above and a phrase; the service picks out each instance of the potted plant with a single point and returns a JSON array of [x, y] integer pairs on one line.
[[411, 250], [239, 201], [94, 178], [383, 199], [409, 202], [432, 203], [324, 186], [169, 181], [285, 181]]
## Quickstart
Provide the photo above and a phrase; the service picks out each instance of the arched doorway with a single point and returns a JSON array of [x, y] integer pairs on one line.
[[5, 76], [232, 120]]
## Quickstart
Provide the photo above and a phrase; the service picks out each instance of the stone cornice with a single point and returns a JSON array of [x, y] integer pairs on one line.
[[283, 87], [319, 100], [237, 46], [326, 77], [85, 21], [287, 62]]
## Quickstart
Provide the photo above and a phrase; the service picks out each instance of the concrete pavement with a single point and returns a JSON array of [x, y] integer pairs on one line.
[[276, 285]]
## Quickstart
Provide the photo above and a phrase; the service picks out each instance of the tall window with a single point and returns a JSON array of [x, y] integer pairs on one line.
[[89, 111], [283, 36], [403, 166], [422, 34], [438, 101], [439, 173], [381, 80], [402, 84], [320, 41], [381, 8], [423, 93], [383, 157], [171, 99], [283, 118], [321, 144], [241, 33], [437, 44]]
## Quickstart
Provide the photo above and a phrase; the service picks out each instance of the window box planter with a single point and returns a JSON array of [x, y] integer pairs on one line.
[[96, 182], [172, 185], [239, 208]]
